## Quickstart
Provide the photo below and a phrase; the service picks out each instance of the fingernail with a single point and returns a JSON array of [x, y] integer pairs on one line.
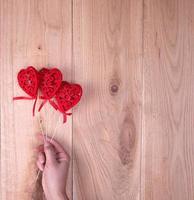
[[41, 136]]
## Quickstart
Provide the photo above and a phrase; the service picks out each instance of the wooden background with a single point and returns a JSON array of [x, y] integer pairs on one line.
[[132, 135]]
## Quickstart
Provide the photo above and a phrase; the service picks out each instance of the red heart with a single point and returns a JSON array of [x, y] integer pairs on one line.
[[50, 81], [68, 96], [28, 81]]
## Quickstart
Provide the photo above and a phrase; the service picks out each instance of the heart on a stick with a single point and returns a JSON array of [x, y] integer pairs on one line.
[[50, 81], [28, 81], [60, 94], [68, 96]]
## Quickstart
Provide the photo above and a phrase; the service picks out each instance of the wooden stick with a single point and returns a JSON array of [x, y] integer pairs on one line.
[[41, 127], [55, 130]]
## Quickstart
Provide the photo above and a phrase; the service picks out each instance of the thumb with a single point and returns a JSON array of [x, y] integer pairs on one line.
[[49, 153]]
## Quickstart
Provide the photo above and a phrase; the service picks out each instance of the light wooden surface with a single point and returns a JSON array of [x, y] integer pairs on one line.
[[107, 125], [131, 137], [168, 120]]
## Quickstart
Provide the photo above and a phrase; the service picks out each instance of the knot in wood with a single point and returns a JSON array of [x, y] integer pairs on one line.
[[114, 88]]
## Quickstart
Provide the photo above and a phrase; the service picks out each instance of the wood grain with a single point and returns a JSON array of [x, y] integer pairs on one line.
[[32, 33], [131, 137], [168, 151], [107, 52]]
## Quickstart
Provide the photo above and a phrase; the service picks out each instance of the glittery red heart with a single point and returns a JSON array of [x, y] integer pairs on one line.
[[50, 81], [68, 96], [28, 81]]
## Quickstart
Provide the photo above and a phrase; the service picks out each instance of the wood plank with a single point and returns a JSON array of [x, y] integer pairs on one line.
[[168, 151], [35, 33], [107, 52]]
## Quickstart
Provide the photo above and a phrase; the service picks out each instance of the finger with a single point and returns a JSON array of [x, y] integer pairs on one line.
[[57, 146], [63, 156], [40, 148], [49, 153], [40, 165], [41, 161], [41, 137], [41, 157], [60, 160]]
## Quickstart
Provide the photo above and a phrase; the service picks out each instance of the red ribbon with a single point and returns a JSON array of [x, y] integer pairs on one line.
[[53, 104], [28, 98], [65, 116]]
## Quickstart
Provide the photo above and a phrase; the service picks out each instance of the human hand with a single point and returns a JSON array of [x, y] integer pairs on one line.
[[53, 161]]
